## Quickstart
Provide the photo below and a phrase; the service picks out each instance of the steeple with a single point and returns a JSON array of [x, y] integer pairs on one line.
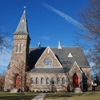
[[22, 27], [59, 46]]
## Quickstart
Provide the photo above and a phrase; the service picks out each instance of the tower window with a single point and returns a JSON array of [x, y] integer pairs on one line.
[[21, 48], [17, 48]]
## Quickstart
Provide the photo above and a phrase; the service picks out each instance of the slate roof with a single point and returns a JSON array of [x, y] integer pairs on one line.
[[22, 26], [50, 70], [62, 56]]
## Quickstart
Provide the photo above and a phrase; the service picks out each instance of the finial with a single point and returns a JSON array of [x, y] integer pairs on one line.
[[39, 45], [59, 46], [24, 8]]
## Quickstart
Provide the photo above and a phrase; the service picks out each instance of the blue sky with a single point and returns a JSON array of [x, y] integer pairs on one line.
[[49, 21]]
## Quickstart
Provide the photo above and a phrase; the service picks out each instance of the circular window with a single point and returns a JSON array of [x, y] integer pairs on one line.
[[47, 62]]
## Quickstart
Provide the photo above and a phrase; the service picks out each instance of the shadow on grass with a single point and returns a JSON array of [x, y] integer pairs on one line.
[[54, 95], [66, 94], [17, 96]]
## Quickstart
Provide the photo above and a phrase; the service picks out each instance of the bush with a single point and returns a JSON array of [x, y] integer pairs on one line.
[[32, 91], [68, 88], [26, 89]]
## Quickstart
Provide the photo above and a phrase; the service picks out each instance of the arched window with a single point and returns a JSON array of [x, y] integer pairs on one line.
[[47, 81], [58, 80], [17, 48], [21, 48], [31, 80], [42, 80], [63, 80], [37, 80], [53, 81]]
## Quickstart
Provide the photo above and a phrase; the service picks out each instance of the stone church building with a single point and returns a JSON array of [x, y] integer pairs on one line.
[[45, 68]]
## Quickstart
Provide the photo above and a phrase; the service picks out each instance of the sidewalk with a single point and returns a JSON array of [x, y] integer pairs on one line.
[[39, 96]]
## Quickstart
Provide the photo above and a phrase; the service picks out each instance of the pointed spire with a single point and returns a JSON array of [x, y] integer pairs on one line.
[[39, 45], [59, 46], [22, 26]]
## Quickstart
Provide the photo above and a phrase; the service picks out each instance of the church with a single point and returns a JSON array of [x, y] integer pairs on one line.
[[45, 68]]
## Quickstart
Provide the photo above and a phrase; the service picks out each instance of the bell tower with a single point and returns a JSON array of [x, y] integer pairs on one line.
[[15, 75], [21, 41]]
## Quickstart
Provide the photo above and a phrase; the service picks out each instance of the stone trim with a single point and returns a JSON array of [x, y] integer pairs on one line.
[[77, 67], [52, 60]]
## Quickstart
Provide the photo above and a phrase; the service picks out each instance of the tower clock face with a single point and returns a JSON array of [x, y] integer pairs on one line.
[[47, 61]]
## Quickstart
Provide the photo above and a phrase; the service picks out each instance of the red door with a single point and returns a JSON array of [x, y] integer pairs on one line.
[[75, 81], [17, 82]]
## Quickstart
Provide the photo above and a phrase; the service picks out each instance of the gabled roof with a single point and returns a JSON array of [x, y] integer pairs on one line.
[[62, 56], [49, 53], [22, 27]]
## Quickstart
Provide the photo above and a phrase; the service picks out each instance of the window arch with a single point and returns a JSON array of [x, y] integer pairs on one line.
[[53, 80], [37, 80], [63, 80], [47, 81], [31, 80], [17, 48], [21, 48], [42, 80], [58, 80]]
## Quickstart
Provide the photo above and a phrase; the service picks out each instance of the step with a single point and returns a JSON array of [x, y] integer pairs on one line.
[[14, 90], [77, 90]]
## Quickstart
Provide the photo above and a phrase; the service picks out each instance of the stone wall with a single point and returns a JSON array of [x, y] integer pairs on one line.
[[42, 87], [48, 54]]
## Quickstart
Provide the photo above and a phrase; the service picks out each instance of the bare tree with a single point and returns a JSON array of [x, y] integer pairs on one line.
[[90, 38], [16, 76], [4, 43], [2, 77]]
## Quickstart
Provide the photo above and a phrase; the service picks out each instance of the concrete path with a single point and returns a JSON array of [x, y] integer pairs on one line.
[[39, 96]]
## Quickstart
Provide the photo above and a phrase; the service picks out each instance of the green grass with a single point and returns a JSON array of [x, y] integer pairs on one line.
[[17, 96], [51, 96], [73, 96]]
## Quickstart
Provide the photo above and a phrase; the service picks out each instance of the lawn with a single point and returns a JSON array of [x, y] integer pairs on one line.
[[17, 96], [73, 96]]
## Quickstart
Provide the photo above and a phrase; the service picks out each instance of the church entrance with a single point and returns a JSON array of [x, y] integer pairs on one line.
[[17, 81], [75, 81]]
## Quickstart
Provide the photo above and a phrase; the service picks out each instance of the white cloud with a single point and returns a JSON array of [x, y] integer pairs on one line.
[[65, 16], [45, 38]]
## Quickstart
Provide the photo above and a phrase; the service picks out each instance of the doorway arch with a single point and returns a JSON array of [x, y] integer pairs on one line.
[[17, 81], [75, 81]]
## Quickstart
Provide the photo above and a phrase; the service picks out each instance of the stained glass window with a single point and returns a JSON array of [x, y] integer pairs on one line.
[[47, 62], [58, 80], [47, 81], [37, 80]]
